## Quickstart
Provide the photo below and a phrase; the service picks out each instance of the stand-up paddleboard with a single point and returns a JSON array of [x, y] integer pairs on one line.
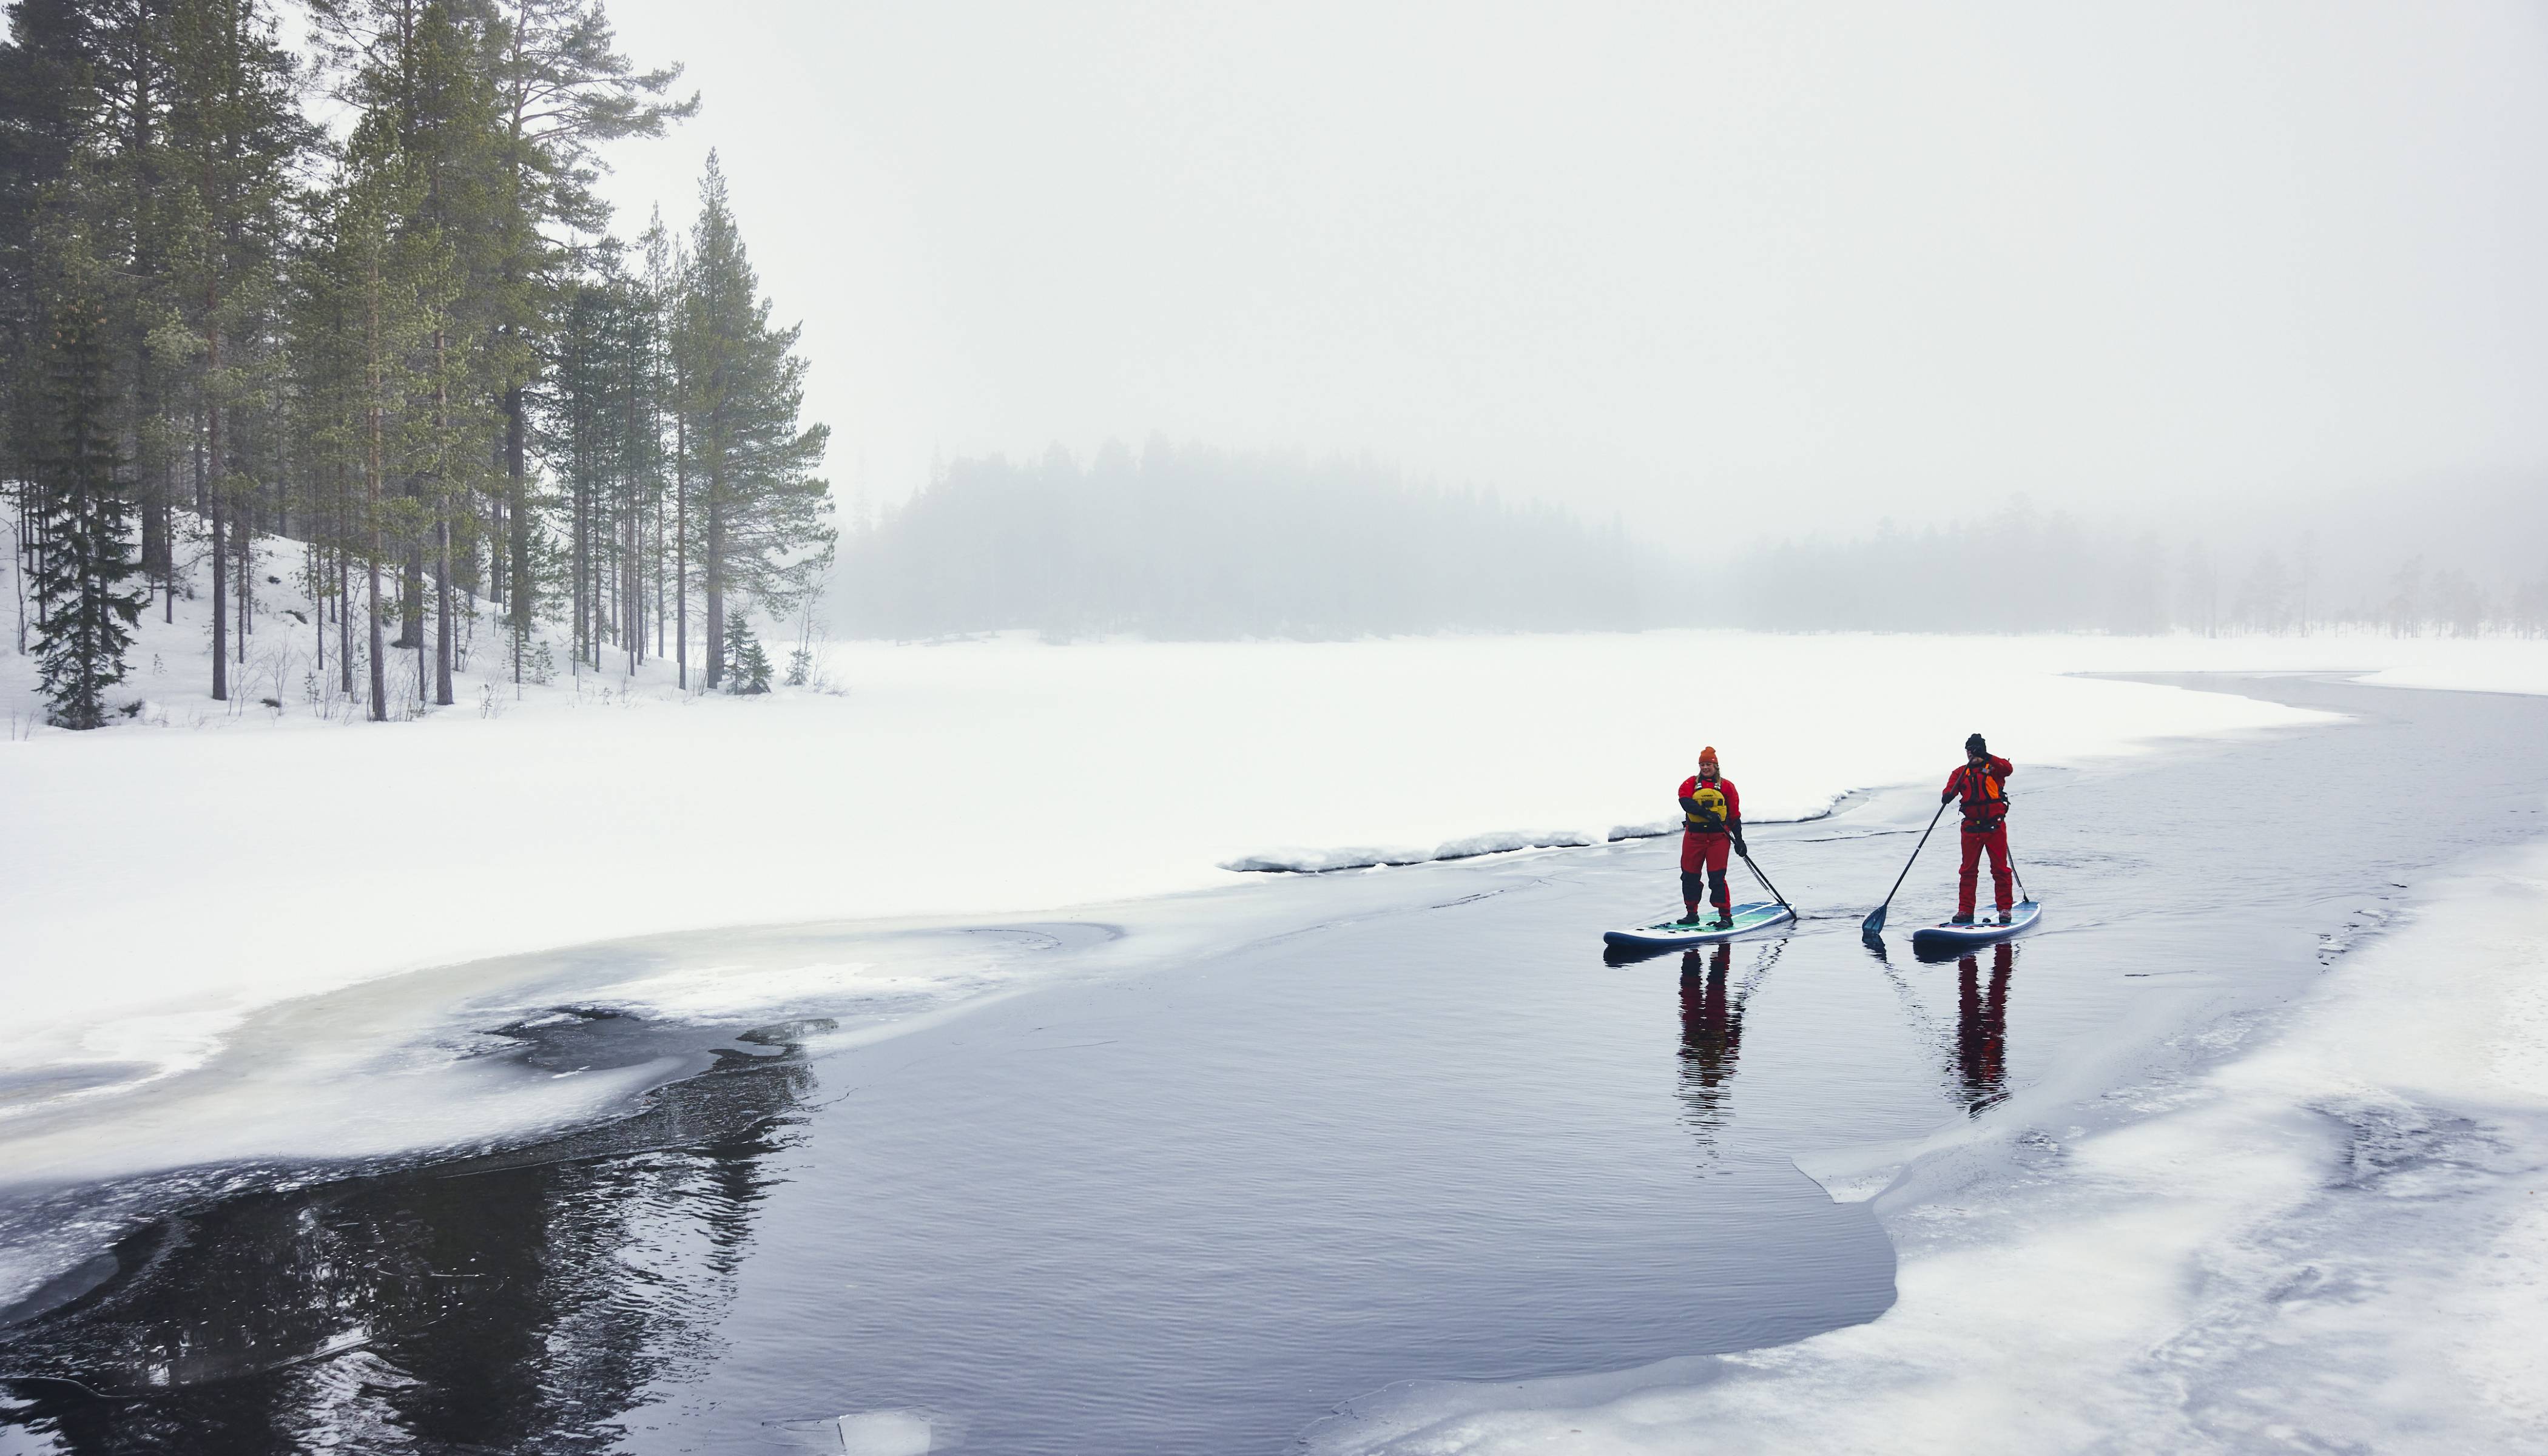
[[1982, 931], [1760, 915]]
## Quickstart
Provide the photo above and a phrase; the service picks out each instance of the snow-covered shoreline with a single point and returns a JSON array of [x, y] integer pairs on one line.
[[2329, 1236]]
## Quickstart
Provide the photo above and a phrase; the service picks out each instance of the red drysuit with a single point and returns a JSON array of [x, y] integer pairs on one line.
[[1704, 850], [1985, 794]]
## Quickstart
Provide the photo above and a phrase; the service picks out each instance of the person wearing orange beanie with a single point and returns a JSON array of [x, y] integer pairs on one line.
[[1711, 825]]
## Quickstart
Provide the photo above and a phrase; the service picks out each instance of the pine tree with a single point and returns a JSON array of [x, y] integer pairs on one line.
[[47, 104], [600, 430], [84, 559], [233, 132], [764, 509], [46, 101], [422, 75], [748, 666], [563, 89], [370, 288], [113, 187]]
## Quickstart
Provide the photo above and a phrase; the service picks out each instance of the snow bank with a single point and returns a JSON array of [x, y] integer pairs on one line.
[[2333, 1243], [1467, 846]]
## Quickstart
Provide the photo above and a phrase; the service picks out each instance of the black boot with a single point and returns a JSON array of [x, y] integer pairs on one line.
[[1724, 918], [1965, 919], [2003, 917]]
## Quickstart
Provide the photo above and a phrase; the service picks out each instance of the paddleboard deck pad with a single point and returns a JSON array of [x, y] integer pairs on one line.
[[1760, 915], [1984, 931]]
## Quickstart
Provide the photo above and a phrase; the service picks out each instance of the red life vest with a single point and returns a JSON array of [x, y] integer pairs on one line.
[[1985, 792]]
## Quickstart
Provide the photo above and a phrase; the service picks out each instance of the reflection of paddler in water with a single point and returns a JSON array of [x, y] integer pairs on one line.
[[1711, 1032], [1981, 1028]]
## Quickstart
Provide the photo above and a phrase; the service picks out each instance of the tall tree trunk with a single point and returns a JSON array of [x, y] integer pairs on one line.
[[442, 534], [155, 554], [682, 553], [411, 590], [344, 597], [443, 614], [372, 504], [413, 609], [311, 567], [244, 536], [213, 501], [632, 574], [518, 511], [712, 565]]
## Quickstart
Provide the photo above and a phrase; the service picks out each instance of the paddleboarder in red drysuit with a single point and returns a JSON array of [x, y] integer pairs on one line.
[[1984, 783], [1712, 822]]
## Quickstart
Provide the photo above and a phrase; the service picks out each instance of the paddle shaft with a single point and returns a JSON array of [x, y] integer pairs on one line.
[[1876, 921], [1772, 889]]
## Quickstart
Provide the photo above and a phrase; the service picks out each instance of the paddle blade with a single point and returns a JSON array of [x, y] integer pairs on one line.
[[1875, 923]]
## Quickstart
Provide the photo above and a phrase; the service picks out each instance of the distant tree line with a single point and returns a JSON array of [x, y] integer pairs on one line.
[[404, 340], [2020, 570], [1184, 542]]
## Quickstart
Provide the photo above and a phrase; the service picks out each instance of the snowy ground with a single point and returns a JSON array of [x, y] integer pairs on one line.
[[2336, 1241], [162, 877]]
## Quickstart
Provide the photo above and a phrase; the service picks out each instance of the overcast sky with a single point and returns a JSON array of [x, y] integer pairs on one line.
[[1783, 267]]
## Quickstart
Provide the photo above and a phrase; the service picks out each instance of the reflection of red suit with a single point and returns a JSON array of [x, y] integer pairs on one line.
[[1981, 1028], [1985, 794], [1711, 1032]]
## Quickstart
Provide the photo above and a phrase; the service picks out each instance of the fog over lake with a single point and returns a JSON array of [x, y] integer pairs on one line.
[[1759, 271]]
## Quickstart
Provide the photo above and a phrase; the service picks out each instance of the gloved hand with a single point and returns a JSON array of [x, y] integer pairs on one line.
[[1738, 846]]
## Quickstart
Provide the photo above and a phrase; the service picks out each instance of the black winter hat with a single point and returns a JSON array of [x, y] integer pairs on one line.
[[1974, 744]]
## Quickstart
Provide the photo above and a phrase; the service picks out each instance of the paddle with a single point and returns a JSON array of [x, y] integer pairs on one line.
[[1875, 918], [1772, 889]]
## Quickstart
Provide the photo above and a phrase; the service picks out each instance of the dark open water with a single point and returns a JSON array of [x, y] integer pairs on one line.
[[1192, 1209]]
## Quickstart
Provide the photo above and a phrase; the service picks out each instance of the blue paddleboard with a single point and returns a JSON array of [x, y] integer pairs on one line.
[[1985, 930], [1700, 932]]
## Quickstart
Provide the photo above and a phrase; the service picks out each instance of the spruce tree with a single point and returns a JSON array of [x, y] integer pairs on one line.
[[84, 561], [765, 511], [748, 666]]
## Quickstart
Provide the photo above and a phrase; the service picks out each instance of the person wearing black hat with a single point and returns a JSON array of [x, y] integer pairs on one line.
[[1984, 783]]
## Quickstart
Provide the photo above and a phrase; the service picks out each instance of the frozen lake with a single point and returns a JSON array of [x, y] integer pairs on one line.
[[1414, 1127]]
